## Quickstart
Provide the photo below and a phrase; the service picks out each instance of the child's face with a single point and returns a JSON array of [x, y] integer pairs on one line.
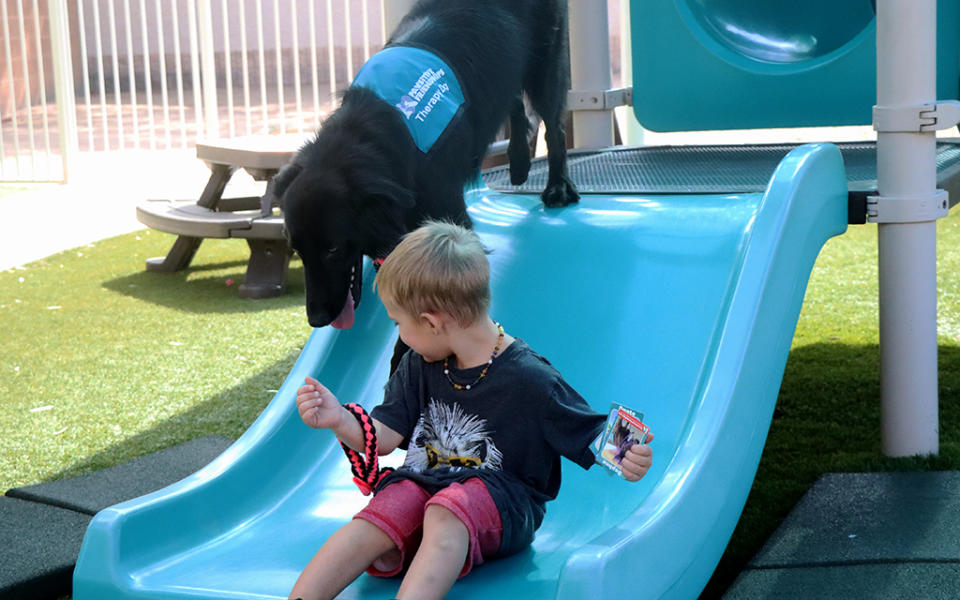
[[419, 332]]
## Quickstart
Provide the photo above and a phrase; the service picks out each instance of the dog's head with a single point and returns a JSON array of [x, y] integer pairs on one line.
[[335, 212]]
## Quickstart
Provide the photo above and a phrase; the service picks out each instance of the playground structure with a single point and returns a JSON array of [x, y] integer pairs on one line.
[[681, 304]]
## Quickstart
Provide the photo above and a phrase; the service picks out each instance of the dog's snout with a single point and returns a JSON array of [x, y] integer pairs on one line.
[[317, 316]]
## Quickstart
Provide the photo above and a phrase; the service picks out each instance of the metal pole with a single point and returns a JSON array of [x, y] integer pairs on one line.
[[631, 130], [590, 70], [63, 85], [393, 12], [906, 165]]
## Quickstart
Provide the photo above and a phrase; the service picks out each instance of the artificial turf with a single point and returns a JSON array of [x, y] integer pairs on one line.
[[827, 417], [103, 362]]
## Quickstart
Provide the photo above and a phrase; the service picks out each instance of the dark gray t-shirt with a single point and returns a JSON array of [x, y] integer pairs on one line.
[[510, 430]]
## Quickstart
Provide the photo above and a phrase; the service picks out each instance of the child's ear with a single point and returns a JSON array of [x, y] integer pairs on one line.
[[434, 321]]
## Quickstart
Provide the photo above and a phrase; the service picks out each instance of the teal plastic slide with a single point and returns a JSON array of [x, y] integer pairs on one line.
[[681, 306], [744, 64]]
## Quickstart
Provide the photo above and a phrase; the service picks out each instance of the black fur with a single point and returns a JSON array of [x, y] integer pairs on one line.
[[361, 184]]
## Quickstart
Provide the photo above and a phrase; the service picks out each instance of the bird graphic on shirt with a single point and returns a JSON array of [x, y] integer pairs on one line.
[[447, 436]]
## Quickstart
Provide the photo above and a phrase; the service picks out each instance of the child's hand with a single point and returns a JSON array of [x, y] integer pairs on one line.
[[637, 461], [318, 407]]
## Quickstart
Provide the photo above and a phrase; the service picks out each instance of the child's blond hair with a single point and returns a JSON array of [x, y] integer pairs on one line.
[[439, 267]]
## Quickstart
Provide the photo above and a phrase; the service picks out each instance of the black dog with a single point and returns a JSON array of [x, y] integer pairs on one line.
[[368, 177]]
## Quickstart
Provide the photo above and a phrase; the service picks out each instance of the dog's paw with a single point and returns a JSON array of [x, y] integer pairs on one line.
[[519, 162], [518, 175], [559, 194]]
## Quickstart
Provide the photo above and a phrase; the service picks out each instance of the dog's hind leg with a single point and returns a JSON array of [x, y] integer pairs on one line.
[[547, 83], [519, 149], [551, 105], [560, 189]]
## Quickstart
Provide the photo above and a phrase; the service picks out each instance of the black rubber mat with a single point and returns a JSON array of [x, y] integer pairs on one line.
[[42, 526], [40, 548], [699, 169], [863, 535], [95, 491]]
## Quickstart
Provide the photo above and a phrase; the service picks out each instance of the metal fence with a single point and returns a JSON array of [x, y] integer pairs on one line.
[[98, 76], [159, 74]]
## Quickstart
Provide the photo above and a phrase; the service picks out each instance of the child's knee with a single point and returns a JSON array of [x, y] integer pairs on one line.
[[440, 525]]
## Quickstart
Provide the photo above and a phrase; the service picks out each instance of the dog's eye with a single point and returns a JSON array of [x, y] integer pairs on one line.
[[333, 250]]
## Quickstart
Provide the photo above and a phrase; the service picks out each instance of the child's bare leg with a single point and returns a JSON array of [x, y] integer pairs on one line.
[[341, 559], [439, 559]]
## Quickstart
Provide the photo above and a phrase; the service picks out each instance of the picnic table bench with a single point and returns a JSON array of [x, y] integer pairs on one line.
[[213, 216]]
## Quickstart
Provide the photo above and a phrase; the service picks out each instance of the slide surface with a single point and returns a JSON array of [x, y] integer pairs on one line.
[[682, 307]]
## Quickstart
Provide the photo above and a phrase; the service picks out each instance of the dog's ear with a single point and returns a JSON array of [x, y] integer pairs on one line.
[[282, 180], [380, 213], [393, 192]]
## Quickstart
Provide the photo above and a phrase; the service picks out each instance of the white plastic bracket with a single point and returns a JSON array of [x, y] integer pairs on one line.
[[916, 119], [885, 209], [600, 99]]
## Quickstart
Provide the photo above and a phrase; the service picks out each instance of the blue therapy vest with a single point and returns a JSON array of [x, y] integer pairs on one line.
[[418, 84]]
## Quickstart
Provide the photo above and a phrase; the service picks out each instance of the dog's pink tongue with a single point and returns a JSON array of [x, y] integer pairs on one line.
[[345, 319]]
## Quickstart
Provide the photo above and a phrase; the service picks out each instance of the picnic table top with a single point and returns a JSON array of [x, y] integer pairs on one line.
[[252, 151]]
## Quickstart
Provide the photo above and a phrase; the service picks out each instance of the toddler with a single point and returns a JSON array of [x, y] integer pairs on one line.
[[484, 420]]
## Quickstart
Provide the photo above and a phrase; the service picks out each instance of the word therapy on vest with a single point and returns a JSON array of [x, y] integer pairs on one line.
[[420, 85]]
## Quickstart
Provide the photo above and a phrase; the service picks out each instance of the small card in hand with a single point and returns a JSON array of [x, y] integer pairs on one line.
[[624, 428]]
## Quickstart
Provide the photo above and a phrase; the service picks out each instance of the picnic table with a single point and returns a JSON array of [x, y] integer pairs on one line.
[[256, 219]]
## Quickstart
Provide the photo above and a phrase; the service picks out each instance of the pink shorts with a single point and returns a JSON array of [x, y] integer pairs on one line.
[[398, 510]]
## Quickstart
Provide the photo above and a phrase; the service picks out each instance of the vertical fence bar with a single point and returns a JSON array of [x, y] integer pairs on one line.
[[314, 78], [263, 68], [366, 30], [115, 63], [383, 26], [13, 91], [246, 66], [279, 58], [348, 30], [298, 96], [27, 85], [147, 75], [178, 57], [101, 83], [228, 67], [63, 85], [208, 68], [162, 55], [3, 152], [195, 66], [393, 11], [131, 73], [43, 87], [85, 74], [331, 51]]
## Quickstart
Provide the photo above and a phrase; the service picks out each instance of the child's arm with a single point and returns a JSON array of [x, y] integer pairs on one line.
[[320, 409], [637, 460]]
